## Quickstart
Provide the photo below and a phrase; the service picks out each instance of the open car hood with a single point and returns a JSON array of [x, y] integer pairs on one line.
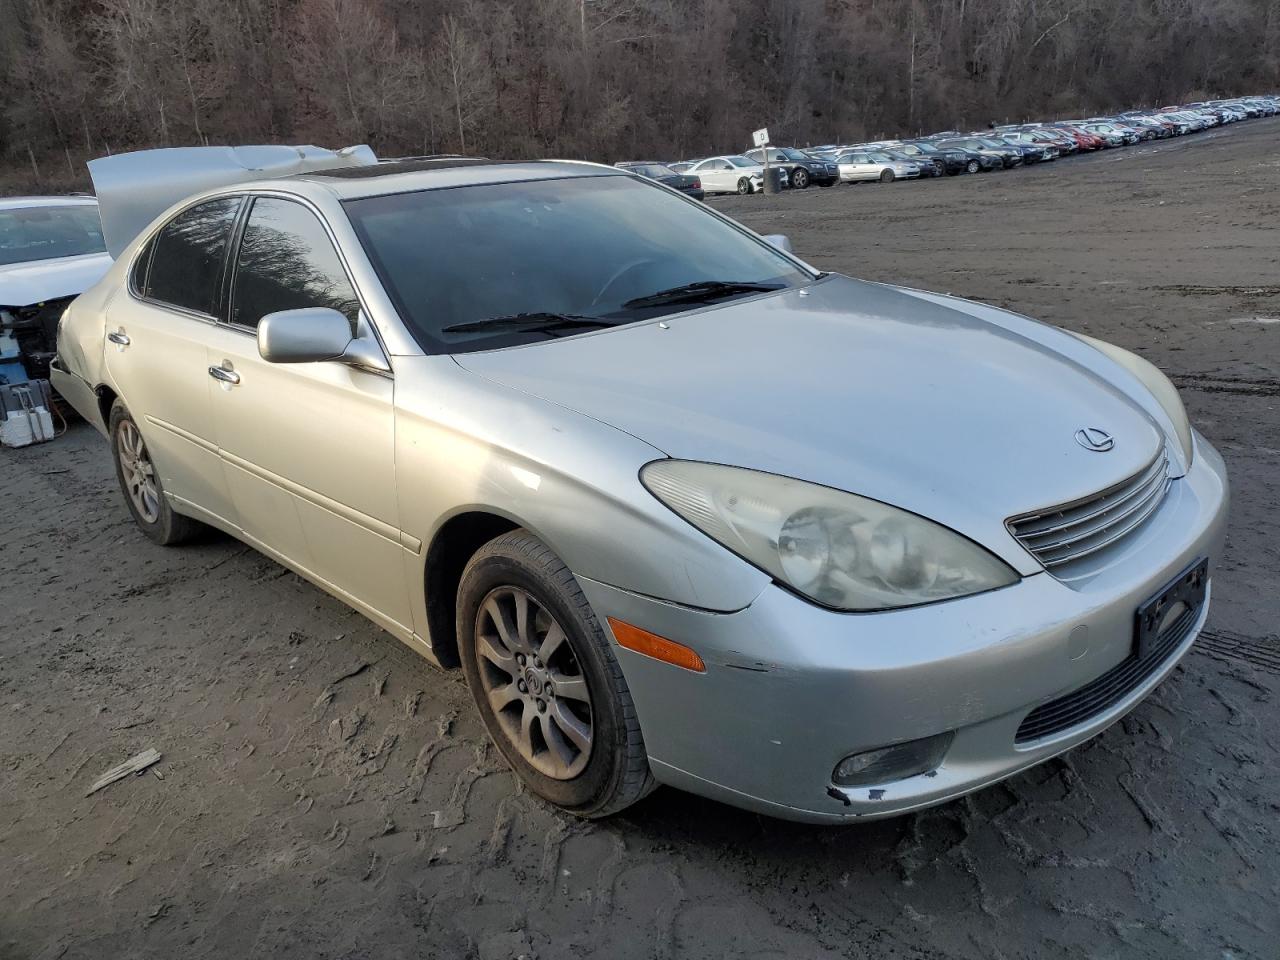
[[135, 188]]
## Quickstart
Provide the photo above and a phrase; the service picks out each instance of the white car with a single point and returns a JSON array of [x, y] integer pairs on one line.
[[860, 165], [729, 174], [51, 250]]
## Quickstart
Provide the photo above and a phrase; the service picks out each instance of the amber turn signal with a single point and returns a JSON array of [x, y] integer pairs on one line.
[[652, 645]]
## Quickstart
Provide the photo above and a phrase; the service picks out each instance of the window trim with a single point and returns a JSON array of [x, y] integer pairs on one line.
[[147, 248], [363, 314], [245, 197]]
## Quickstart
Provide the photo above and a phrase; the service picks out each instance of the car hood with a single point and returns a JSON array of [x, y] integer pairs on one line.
[[866, 388], [22, 284]]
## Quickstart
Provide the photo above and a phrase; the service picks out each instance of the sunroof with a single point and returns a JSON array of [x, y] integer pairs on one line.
[[387, 168]]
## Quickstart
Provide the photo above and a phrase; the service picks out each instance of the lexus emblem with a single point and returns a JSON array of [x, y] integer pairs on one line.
[[1091, 438]]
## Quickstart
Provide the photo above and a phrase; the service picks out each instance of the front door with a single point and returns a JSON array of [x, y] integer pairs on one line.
[[157, 337], [307, 448]]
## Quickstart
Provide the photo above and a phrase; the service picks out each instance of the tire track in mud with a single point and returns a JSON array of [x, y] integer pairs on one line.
[[1260, 652], [1209, 383]]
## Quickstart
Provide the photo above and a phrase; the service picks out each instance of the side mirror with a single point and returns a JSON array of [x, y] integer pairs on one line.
[[313, 335], [779, 240]]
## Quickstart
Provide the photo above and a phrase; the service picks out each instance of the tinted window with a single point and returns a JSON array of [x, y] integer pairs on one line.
[[188, 255], [43, 233], [287, 261], [585, 246]]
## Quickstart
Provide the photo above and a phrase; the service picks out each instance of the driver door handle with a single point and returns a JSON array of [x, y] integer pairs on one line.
[[118, 338], [225, 375]]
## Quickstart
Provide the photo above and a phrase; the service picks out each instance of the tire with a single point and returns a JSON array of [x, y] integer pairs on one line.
[[140, 483], [800, 178], [973, 166], [886, 176], [744, 186], [612, 772]]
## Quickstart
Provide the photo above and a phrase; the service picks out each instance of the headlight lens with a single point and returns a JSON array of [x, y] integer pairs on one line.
[[1161, 388], [838, 549]]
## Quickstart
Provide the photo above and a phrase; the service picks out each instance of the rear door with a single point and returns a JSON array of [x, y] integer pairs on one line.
[[307, 448], [156, 351]]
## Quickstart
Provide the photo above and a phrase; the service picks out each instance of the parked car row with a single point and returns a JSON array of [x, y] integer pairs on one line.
[[951, 152]]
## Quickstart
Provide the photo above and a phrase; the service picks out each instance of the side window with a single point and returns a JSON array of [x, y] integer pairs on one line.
[[188, 255], [287, 261]]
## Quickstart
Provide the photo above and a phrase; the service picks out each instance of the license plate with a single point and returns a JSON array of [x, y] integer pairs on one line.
[[1186, 588]]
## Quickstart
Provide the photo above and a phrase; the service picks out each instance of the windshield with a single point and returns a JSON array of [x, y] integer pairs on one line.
[[578, 246], [44, 233], [741, 162]]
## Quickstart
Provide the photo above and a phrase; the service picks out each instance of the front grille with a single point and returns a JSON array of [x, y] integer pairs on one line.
[[1109, 689], [1062, 535]]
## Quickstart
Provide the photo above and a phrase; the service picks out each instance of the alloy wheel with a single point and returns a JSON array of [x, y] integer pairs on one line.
[[139, 472], [534, 682]]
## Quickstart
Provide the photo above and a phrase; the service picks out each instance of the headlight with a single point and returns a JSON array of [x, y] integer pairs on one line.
[[840, 550], [1161, 388]]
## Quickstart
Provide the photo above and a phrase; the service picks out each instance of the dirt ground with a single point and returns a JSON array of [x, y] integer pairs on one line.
[[326, 794]]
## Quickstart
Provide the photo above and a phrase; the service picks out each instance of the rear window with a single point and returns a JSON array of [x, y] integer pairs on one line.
[[35, 233], [188, 256]]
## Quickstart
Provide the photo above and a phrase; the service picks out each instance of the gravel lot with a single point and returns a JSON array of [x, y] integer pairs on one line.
[[326, 794]]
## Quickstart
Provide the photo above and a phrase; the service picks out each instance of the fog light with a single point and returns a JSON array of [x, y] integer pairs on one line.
[[897, 762]]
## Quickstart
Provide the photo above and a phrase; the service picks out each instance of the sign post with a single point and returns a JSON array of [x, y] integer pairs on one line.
[[761, 139]]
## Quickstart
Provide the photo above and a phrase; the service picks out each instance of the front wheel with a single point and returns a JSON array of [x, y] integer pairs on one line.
[[744, 185], [140, 483], [546, 681], [800, 178], [886, 176], [973, 166]]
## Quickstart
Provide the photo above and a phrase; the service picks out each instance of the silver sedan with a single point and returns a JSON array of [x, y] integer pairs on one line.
[[683, 509]]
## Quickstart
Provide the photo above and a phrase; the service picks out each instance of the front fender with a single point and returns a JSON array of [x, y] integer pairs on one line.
[[466, 443]]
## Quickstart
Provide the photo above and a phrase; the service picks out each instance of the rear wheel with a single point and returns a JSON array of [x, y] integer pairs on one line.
[[800, 178], [744, 185], [886, 176], [140, 483], [546, 681]]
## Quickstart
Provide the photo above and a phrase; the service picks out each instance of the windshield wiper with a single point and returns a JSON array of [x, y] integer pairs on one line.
[[701, 290], [540, 321]]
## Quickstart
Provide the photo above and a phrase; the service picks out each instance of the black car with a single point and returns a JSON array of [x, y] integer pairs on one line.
[[974, 159], [683, 182], [953, 161], [1007, 155], [1030, 152], [802, 169]]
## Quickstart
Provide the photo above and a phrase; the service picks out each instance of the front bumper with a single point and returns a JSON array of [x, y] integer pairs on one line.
[[790, 688]]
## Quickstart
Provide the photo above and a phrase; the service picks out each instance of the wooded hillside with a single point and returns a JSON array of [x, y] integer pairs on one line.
[[600, 79]]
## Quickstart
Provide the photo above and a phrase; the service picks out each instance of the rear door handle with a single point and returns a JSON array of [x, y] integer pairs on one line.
[[118, 338], [225, 375]]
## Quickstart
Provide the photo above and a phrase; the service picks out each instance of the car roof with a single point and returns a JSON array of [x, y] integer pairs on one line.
[[74, 200]]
